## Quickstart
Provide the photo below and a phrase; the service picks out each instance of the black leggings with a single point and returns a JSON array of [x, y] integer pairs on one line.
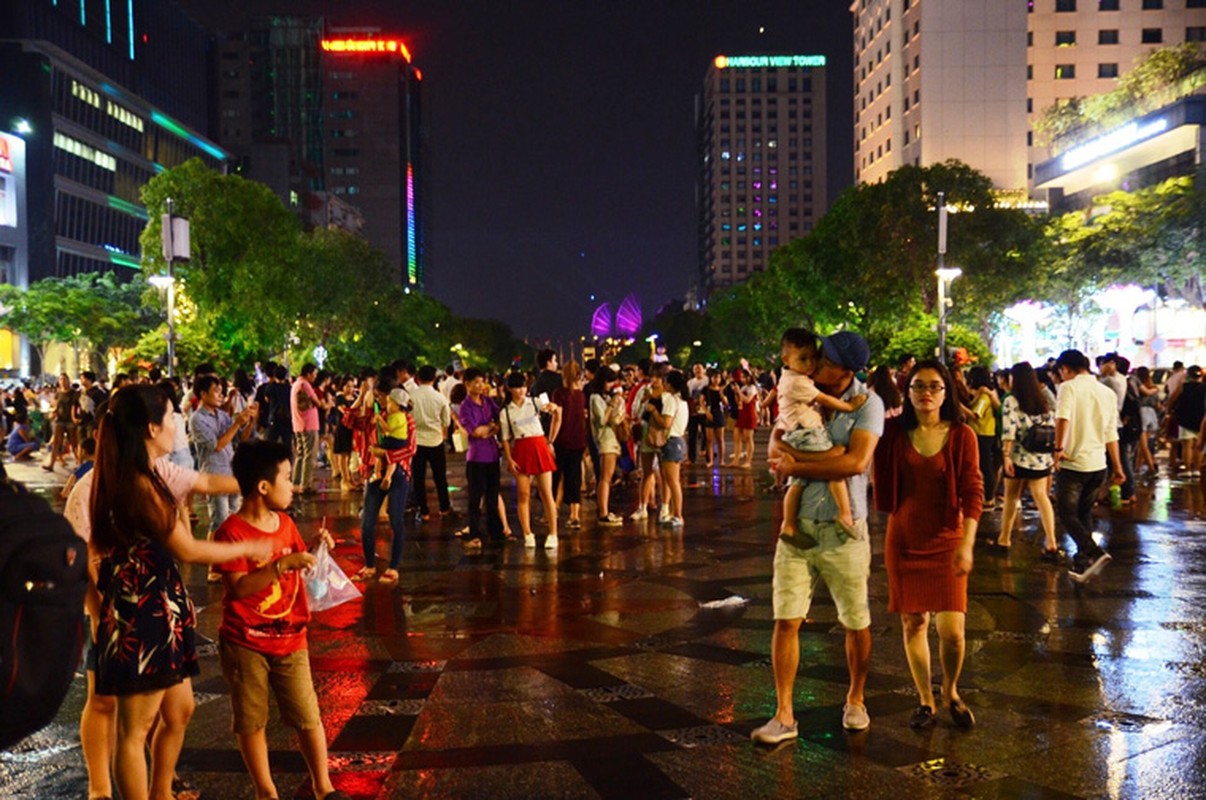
[[569, 469]]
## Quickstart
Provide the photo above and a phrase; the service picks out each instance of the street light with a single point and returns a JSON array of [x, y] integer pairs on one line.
[[175, 235], [945, 276]]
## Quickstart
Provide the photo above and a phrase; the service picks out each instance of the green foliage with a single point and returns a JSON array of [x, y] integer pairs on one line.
[[1154, 235], [94, 311], [920, 337], [870, 261], [1157, 79]]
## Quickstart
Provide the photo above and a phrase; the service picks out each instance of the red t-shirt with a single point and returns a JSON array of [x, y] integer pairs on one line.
[[273, 620]]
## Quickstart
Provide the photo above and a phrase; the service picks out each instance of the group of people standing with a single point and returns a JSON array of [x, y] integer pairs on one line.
[[924, 436]]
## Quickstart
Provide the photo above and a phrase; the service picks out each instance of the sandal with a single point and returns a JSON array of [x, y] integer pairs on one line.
[[390, 576], [365, 574]]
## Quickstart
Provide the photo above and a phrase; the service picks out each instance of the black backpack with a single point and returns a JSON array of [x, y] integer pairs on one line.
[[43, 576]]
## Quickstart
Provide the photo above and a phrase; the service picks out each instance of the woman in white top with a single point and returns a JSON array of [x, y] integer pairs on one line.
[[672, 416], [606, 413], [529, 454]]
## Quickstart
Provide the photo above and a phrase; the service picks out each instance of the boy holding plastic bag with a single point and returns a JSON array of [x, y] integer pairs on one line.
[[262, 638]]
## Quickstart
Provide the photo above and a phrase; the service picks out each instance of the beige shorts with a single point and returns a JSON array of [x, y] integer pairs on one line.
[[844, 563], [249, 674], [1186, 434]]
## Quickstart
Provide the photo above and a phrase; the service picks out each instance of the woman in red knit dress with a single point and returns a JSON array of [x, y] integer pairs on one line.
[[927, 477]]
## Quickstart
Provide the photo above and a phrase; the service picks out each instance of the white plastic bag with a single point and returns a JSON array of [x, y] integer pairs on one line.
[[326, 584]]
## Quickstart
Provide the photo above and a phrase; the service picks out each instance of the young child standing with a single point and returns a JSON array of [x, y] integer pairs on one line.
[[802, 424], [262, 637], [393, 433]]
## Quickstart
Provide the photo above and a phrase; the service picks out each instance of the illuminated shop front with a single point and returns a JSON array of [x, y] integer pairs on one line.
[[14, 236]]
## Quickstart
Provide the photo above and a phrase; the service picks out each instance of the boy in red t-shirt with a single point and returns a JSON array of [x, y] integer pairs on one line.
[[262, 638]]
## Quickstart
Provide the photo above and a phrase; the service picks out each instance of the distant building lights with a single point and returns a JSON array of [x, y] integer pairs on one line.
[[394, 46], [1112, 142], [22, 126], [761, 62]]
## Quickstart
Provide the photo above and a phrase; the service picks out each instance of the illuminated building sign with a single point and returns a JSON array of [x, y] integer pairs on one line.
[[6, 159], [1112, 142], [756, 62], [394, 46]]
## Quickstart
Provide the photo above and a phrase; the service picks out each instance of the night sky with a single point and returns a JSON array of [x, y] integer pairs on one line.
[[561, 136]]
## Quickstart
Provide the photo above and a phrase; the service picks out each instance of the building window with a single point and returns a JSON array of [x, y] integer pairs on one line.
[[1065, 72], [1107, 36], [1030, 38], [1107, 70], [1153, 5], [1064, 6], [1197, 34], [1152, 36], [1029, 105], [1029, 71], [1195, 3], [1065, 38], [1107, 5]]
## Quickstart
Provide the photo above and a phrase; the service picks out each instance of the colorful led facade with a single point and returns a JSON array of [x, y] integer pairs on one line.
[[327, 115]]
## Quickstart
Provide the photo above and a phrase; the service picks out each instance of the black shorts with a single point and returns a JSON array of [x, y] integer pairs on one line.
[[1023, 474]]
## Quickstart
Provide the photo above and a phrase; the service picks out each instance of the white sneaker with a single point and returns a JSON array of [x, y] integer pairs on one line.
[[550, 542], [640, 515], [675, 522], [611, 520], [664, 514], [774, 732], [529, 540]]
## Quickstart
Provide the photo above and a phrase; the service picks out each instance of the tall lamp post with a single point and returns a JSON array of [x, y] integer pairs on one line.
[[175, 236], [945, 276]]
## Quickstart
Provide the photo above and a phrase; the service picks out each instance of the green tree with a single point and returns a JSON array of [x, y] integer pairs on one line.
[[43, 313], [246, 255]]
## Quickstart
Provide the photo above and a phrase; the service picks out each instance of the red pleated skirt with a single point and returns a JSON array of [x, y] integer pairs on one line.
[[532, 455]]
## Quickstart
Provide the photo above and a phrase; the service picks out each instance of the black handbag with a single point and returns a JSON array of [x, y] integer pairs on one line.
[[1040, 439]]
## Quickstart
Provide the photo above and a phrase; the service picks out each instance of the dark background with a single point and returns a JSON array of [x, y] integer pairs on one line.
[[561, 137]]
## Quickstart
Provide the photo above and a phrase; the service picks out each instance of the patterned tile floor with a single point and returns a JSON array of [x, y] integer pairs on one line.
[[597, 671]]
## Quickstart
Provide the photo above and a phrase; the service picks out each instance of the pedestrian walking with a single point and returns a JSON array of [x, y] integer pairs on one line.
[[1028, 415], [433, 417], [927, 478]]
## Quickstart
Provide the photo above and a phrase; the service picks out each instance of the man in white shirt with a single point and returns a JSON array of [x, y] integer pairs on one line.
[[1086, 431], [433, 415]]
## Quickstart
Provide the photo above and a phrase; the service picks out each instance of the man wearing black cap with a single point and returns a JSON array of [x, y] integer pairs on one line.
[[823, 549], [1086, 430]]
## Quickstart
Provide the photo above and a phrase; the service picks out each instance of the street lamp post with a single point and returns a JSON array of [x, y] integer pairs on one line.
[[175, 236], [945, 276]]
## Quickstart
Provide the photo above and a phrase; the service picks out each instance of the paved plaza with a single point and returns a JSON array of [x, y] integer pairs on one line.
[[600, 670]]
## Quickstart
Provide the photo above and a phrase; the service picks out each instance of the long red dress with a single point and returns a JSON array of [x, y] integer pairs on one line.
[[928, 500]]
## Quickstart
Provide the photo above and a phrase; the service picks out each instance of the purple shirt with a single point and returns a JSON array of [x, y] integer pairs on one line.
[[472, 416]]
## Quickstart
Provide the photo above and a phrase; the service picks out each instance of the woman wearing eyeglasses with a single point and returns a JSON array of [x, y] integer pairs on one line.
[[927, 478]]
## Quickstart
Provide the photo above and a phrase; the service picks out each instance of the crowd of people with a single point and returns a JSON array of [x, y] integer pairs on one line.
[[937, 447]]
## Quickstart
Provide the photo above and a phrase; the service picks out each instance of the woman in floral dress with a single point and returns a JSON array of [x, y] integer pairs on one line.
[[146, 654]]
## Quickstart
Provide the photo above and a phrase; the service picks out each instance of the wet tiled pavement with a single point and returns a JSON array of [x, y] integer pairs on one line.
[[596, 671]]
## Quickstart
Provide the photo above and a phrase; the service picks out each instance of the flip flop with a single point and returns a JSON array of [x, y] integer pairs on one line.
[[390, 576]]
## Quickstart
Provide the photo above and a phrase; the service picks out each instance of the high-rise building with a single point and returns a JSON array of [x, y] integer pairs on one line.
[[967, 79], [1079, 50], [104, 96], [762, 161], [326, 114], [940, 79]]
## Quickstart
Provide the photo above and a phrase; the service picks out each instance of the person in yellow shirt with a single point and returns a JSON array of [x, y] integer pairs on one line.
[[982, 417]]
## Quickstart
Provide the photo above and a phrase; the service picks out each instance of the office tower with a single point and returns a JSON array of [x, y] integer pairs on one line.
[[940, 79], [104, 96], [1079, 50], [331, 119], [762, 171]]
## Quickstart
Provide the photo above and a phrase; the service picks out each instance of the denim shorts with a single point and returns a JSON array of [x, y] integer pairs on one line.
[[674, 450]]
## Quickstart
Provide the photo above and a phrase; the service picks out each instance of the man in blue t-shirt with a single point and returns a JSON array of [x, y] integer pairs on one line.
[[823, 549]]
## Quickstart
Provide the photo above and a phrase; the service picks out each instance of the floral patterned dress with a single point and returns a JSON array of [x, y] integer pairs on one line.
[[146, 637]]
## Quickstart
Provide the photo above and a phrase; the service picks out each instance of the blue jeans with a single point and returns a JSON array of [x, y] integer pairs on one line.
[[220, 507], [399, 488], [1075, 494]]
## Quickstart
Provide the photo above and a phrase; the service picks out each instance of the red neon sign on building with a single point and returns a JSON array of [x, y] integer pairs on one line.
[[394, 46]]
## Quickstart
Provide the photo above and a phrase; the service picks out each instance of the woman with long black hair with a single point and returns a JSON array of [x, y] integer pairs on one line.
[[1025, 408], [146, 654]]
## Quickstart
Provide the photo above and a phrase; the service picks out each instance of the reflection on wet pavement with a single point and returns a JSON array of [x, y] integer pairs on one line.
[[597, 670]]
